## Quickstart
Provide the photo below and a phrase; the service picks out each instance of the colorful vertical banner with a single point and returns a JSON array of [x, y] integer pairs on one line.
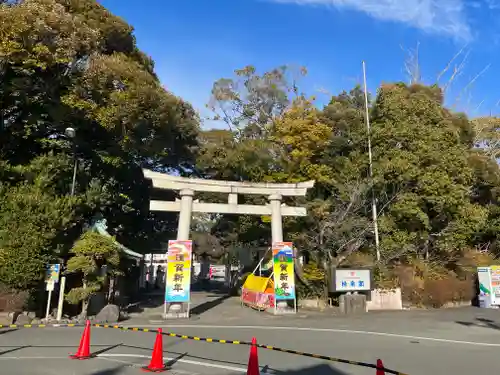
[[495, 284], [178, 277], [284, 277]]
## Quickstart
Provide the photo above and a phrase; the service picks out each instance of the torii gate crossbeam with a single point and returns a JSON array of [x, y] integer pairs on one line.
[[187, 187]]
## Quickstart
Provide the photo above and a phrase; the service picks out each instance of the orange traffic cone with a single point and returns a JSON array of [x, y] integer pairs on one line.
[[253, 360], [380, 367], [84, 348], [156, 364]]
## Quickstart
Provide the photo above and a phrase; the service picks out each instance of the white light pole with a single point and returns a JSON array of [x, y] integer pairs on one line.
[[368, 130], [70, 133]]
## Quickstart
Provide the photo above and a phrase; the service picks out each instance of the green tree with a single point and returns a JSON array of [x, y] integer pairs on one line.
[[33, 219], [249, 102], [329, 146], [302, 137], [420, 149], [74, 64], [485, 190], [94, 258], [487, 136], [424, 170], [68, 63]]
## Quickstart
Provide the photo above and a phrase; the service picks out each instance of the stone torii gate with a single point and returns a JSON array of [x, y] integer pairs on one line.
[[187, 187]]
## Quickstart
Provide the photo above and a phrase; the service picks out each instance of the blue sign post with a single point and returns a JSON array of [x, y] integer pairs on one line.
[[52, 273], [51, 278]]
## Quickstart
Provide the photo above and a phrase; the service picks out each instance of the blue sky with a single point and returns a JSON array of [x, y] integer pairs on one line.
[[195, 42]]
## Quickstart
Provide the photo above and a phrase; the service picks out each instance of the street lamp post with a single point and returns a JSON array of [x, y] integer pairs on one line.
[[370, 161], [70, 133]]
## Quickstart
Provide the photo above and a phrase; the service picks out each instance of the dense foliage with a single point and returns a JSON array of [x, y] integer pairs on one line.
[[95, 257], [435, 177], [69, 63]]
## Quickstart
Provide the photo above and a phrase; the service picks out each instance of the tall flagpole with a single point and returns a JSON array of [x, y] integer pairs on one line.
[[370, 161]]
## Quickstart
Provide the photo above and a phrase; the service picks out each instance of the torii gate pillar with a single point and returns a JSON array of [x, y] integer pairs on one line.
[[185, 214], [276, 218]]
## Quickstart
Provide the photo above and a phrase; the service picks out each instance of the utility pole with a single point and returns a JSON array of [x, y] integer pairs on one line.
[[70, 133], [370, 161]]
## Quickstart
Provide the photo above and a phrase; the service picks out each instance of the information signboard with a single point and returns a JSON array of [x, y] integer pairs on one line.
[[352, 280], [52, 272]]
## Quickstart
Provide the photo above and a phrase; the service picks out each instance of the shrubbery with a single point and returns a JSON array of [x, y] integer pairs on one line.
[[12, 300]]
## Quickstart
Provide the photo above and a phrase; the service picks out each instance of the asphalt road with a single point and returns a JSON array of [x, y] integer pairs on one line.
[[459, 342]]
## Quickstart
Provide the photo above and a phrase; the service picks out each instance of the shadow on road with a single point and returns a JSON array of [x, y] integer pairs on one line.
[[3, 331], [321, 369], [480, 322], [175, 360], [105, 348], [215, 287], [155, 298], [110, 371], [14, 349], [195, 357], [205, 306]]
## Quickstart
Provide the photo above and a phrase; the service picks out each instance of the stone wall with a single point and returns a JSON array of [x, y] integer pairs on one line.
[[385, 300], [312, 304]]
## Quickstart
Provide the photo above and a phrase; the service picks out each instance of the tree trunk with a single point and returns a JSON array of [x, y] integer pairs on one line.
[[299, 272], [85, 307], [85, 304], [326, 269], [111, 289]]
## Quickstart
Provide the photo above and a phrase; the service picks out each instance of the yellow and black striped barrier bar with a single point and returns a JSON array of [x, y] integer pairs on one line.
[[268, 347], [208, 339], [17, 326]]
